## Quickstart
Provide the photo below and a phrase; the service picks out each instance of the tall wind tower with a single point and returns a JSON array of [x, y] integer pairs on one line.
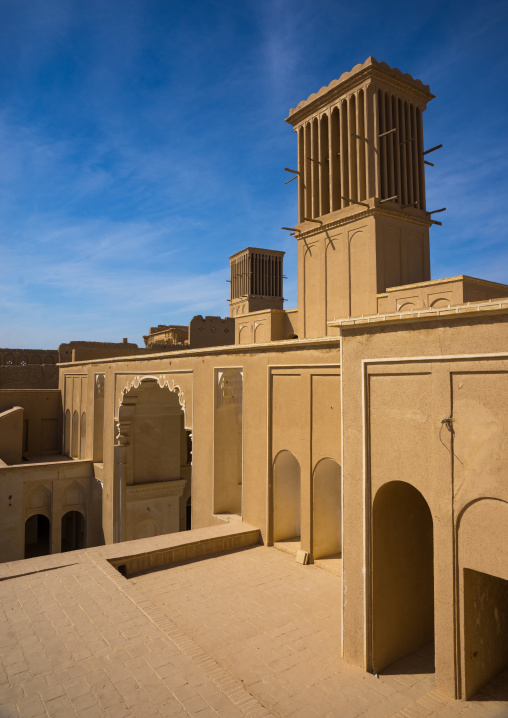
[[362, 220]]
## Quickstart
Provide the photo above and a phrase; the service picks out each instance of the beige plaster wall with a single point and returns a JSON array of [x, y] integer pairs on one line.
[[438, 294], [42, 413], [50, 489], [343, 269], [312, 434], [394, 431], [266, 326], [11, 435]]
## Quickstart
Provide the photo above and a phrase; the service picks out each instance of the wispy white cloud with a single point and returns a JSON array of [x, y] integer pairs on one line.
[[142, 143]]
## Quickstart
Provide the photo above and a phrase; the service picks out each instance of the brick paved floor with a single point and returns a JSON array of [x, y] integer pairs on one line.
[[250, 634], [75, 640], [275, 625]]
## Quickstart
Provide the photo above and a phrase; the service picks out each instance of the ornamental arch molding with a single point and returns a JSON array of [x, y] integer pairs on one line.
[[174, 384]]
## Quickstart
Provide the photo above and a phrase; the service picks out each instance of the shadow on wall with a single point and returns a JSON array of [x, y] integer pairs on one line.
[[327, 506], [403, 573], [286, 497]]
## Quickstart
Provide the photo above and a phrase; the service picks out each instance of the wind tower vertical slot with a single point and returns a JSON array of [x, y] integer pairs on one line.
[[308, 172], [335, 189], [414, 155], [393, 140], [325, 165], [353, 154], [301, 176], [383, 143], [362, 148], [344, 154], [419, 150], [409, 155], [315, 167]]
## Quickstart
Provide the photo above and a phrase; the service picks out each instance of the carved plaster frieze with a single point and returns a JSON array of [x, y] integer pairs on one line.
[[99, 385], [162, 381], [159, 489]]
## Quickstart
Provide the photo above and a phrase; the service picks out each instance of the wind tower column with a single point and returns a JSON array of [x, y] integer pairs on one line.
[[362, 221]]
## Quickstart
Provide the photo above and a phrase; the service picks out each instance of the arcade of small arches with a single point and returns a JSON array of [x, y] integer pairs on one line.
[[54, 525], [75, 434], [27, 356], [325, 540], [38, 533]]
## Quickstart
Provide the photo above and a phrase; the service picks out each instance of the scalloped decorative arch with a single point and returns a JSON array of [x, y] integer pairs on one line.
[[163, 383]]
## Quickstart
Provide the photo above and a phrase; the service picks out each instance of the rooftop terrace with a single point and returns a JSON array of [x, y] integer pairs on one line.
[[249, 632]]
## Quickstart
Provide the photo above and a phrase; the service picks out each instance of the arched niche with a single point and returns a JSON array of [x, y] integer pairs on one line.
[[327, 509], [82, 438], [244, 335], [286, 497], [402, 573], [146, 529], [128, 394], [98, 418], [151, 430], [407, 307], [260, 334], [483, 580], [37, 535], [152, 465], [440, 303], [67, 433], [228, 441], [75, 435], [73, 531]]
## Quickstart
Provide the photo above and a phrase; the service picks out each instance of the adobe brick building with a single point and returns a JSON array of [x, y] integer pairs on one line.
[[369, 424]]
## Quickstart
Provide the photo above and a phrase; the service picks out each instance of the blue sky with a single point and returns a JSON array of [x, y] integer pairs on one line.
[[142, 142]]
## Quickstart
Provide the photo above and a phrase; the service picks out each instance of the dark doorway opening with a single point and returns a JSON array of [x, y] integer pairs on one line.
[[73, 531], [37, 536], [486, 633]]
